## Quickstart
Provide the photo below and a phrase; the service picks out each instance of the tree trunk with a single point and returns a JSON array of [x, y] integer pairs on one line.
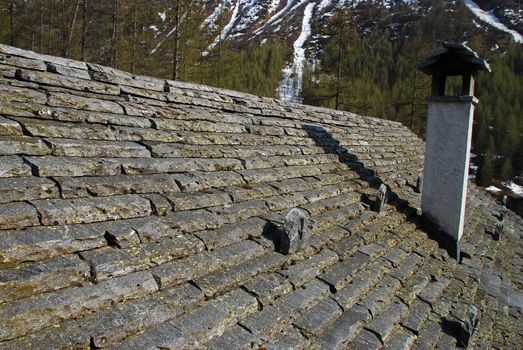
[[84, 30], [50, 27], [41, 28], [414, 88], [73, 22], [12, 17], [63, 31], [338, 74], [133, 49], [114, 41], [176, 38]]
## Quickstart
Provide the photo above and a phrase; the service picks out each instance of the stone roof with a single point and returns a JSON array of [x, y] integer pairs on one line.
[[140, 213]]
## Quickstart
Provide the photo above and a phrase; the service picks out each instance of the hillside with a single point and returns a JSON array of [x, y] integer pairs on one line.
[[355, 55]]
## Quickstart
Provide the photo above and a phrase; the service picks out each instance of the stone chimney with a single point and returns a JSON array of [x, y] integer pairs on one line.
[[449, 135]]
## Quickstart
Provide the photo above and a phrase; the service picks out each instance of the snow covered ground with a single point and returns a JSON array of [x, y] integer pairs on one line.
[[291, 84], [493, 189], [226, 30], [514, 187], [490, 18]]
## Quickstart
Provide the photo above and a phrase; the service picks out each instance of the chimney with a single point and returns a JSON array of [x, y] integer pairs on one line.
[[449, 134]]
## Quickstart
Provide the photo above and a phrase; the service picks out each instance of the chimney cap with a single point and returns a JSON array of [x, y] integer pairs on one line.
[[454, 59]]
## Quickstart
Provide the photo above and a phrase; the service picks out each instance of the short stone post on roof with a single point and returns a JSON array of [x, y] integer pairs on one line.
[[449, 134]]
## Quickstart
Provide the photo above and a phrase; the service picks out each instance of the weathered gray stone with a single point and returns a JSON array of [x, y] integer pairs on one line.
[[339, 274], [365, 340], [349, 296], [211, 318], [10, 50], [108, 262], [418, 312], [41, 243], [170, 248], [13, 166], [160, 205], [118, 322], [303, 271], [240, 211], [86, 210], [197, 181], [34, 278], [64, 336], [383, 325], [381, 294], [67, 71], [314, 321], [82, 148], [9, 127], [162, 336], [22, 145], [9, 93], [72, 166], [235, 337], [232, 233], [59, 129], [268, 320], [286, 339], [400, 340], [78, 102], [123, 133], [22, 62], [68, 79], [406, 268], [26, 188], [267, 287], [295, 232], [17, 215], [112, 185], [372, 250], [220, 281], [245, 193], [343, 329], [35, 313], [176, 165], [193, 220], [198, 200], [300, 300], [198, 265], [266, 175], [347, 246]]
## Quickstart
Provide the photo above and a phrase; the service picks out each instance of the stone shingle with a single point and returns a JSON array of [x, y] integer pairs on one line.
[[17, 215], [71, 166], [13, 166], [40, 243], [86, 210], [10, 145], [82, 148], [34, 278], [83, 103], [26, 188], [180, 187], [42, 311]]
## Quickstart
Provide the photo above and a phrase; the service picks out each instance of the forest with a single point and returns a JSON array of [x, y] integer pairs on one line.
[[363, 62]]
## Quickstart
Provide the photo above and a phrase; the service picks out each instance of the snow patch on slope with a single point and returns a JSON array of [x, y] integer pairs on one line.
[[514, 187], [289, 7], [211, 20], [226, 30], [490, 18], [291, 84]]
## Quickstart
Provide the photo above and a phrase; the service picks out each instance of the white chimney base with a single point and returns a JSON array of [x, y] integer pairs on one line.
[[447, 156]]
